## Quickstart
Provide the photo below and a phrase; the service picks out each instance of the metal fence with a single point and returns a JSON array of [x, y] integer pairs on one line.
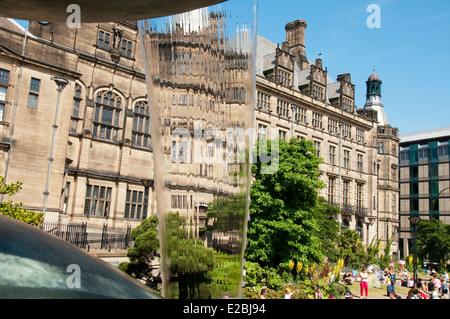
[[89, 237]]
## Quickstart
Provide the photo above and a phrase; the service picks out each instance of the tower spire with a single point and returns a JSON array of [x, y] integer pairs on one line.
[[373, 97]]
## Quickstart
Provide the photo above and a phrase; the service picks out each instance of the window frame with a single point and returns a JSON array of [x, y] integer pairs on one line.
[[141, 125], [103, 40], [134, 205], [332, 155], [91, 197], [113, 129], [33, 94], [4, 83], [126, 50]]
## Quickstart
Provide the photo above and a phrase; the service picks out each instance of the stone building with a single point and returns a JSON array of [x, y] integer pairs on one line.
[[99, 165], [298, 98], [101, 134]]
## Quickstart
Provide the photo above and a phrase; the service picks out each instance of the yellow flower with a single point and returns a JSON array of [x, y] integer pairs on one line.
[[291, 264], [299, 267]]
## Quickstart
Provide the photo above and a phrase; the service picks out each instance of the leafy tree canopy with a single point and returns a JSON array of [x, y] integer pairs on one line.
[[144, 251], [433, 240], [283, 222]]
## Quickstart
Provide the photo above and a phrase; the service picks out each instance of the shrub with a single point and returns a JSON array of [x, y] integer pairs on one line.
[[15, 210]]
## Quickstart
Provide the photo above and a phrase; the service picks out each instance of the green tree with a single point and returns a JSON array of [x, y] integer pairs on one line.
[[283, 207], [351, 248], [328, 228], [144, 251], [15, 210], [433, 240]]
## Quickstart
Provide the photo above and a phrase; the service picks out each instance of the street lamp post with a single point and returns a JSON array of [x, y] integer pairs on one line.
[[61, 83], [368, 224], [387, 230], [340, 162], [414, 221]]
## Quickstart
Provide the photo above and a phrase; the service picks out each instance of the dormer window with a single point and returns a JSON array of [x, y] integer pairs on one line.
[[284, 78]]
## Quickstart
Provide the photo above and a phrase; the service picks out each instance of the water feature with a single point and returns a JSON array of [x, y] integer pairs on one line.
[[201, 88]]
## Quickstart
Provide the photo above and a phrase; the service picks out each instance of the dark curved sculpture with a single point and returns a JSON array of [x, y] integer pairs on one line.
[[98, 10], [37, 265]]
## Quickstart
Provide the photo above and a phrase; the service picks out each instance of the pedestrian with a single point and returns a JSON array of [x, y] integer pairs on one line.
[[434, 294], [347, 278], [391, 264], [402, 264], [430, 286], [416, 294], [393, 277], [263, 293], [288, 293], [411, 293], [437, 283], [364, 283], [411, 282], [444, 288], [445, 275], [419, 283], [331, 296], [391, 290], [318, 294], [423, 294]]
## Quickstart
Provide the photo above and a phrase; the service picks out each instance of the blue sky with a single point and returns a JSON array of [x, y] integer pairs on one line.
[[410, 52]]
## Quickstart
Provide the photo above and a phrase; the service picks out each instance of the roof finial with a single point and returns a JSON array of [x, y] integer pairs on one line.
[[374, 69]]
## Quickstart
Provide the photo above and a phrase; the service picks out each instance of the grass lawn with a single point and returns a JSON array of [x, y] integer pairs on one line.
[[377, 292]]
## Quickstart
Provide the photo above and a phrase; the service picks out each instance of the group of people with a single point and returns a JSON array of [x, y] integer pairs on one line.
[[362, 277], [435, 288]]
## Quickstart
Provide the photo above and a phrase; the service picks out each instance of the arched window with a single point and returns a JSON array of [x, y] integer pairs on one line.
[[141, 125], [359, 228], [107, 115], [344, 224], [76, 108]]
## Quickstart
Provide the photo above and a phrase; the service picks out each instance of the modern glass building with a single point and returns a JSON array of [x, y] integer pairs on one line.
[[424, 180]]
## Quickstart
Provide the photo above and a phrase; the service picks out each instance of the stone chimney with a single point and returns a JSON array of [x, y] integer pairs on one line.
[[295, 37]]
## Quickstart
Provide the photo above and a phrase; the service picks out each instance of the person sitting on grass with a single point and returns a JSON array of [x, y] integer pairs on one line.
[[347, 279], [391, 290]]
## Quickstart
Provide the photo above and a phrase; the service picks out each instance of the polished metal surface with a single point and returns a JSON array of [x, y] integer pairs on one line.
[[35, 264], [97, 10]]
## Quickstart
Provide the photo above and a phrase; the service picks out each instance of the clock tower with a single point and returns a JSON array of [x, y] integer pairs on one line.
[[386, 166]]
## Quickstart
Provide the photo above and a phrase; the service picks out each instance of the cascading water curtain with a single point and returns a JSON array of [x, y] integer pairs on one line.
[[200, 77]]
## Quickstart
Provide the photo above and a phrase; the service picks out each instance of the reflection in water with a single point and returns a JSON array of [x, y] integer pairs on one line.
[[201, 82]]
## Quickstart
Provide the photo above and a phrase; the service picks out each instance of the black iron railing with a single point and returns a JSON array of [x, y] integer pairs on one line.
[[88, 237]]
